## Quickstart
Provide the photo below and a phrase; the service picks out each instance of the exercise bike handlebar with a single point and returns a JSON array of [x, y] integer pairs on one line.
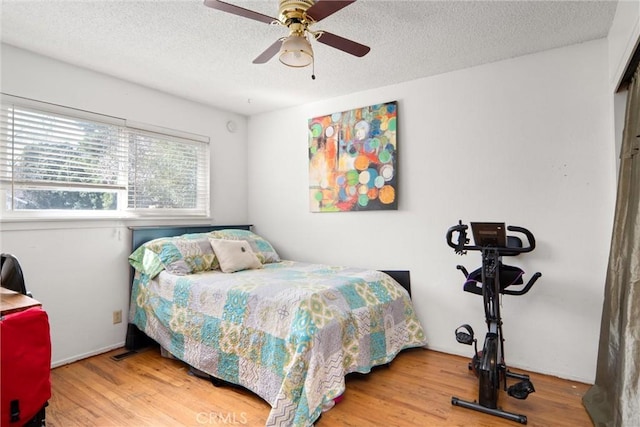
[[461, 246]]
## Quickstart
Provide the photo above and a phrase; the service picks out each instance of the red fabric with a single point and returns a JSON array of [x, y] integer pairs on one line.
[[25, 360]]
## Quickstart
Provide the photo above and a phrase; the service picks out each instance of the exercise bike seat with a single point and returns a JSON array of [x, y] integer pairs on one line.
[[509, 275]]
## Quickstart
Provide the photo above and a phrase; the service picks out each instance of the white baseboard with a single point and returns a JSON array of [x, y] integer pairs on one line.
[[58, 363]]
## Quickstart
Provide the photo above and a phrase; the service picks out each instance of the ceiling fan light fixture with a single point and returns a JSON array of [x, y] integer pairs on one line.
[[296, 51]]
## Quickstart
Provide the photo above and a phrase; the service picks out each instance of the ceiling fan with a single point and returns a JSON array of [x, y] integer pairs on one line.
[[298, 16]]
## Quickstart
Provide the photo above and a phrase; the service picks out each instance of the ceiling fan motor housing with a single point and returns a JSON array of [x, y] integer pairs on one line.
[[292, 11]]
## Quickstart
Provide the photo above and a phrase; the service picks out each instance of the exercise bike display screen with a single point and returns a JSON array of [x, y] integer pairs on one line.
[[489, 234]]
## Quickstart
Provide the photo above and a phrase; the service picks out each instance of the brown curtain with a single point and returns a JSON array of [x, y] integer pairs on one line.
[[614, 400]]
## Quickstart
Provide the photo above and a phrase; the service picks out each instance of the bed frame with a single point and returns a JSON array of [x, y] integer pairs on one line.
[[137, 339], [140, 235]]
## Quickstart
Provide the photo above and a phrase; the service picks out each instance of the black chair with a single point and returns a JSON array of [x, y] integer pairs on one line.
[[11, 276]]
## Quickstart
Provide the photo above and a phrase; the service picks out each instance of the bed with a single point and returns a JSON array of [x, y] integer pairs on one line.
[[288, 331]]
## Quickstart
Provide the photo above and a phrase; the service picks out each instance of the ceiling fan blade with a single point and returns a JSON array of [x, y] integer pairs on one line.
[[269, 53], [321, 9], [237, 10], [343, 44]]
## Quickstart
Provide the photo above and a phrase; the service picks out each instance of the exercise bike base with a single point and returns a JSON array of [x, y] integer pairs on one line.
[[522, 419]]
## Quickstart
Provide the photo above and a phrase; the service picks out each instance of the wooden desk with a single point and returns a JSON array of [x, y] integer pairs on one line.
[[13, 301]]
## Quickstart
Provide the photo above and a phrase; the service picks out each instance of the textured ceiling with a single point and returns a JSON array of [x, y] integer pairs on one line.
[[184, 48]]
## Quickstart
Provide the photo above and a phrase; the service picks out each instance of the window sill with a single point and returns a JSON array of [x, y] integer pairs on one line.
[[52, 223]]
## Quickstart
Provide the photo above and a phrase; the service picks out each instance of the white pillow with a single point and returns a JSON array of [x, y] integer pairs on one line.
[[234, 255]]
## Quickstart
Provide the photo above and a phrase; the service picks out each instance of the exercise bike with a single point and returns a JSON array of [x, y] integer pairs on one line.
[[491, 280]]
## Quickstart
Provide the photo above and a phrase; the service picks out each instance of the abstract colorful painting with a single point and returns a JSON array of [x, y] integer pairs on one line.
[[353, 160]]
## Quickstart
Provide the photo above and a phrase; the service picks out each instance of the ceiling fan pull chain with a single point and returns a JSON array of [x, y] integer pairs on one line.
[[313, 67]]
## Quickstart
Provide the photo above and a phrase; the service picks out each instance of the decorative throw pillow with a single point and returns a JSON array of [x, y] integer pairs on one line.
[[181, 255], [234, 255], [261, 247], [146, 261]]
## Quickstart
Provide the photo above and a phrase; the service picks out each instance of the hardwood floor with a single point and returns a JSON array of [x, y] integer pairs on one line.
[[415, 390]]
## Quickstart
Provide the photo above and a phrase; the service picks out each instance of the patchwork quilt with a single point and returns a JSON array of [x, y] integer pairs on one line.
[[289, 331]]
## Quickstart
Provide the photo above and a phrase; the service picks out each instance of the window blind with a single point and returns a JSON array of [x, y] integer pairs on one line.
[[44, 149], [167, 173], [61, 161]]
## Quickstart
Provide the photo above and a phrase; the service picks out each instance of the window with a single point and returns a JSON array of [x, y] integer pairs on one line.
[[70, 162]]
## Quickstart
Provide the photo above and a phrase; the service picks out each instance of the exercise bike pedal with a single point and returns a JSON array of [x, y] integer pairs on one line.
[[464, 334], [521, 390]]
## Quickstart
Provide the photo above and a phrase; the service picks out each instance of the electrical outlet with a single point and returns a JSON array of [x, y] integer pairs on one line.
[[117, 317]]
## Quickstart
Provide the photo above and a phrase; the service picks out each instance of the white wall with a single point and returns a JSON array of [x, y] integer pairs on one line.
[[528, 141], [79, 269], [542, 126]]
